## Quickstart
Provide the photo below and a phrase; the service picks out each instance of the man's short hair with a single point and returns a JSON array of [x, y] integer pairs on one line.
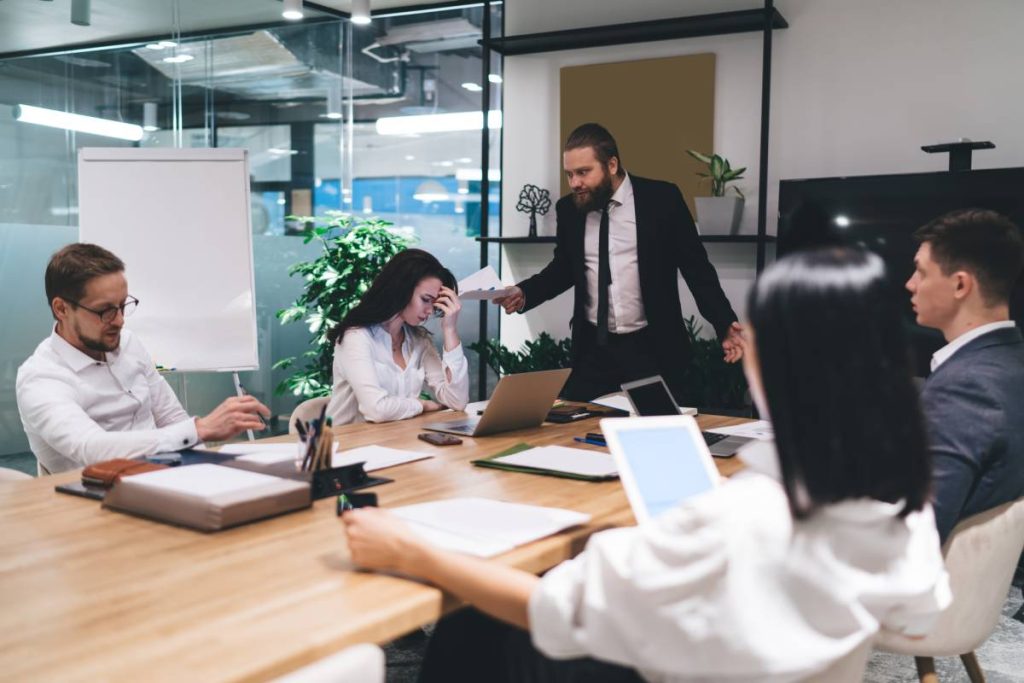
[[597, 137], [73, 266], [984, 243]]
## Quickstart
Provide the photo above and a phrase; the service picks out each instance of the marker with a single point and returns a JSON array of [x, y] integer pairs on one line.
[[590, 441]]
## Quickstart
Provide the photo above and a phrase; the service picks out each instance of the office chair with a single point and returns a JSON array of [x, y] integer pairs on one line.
[[981, 555]]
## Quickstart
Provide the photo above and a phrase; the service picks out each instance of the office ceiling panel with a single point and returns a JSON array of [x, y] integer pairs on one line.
[[37, 25]]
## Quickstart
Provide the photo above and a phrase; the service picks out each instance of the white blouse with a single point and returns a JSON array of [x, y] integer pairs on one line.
[[729, 587], [370, 387]]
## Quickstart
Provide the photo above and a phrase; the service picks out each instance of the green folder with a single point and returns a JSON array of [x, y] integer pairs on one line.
[[490, 461]]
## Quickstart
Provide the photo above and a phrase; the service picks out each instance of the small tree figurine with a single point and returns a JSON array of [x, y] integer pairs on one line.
[[533, 200]]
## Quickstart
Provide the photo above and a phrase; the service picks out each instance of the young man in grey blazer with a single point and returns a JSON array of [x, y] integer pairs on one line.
[[964, 271]]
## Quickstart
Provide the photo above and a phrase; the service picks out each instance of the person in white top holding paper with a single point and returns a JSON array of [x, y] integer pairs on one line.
[[90, 391], [758, 579], [383, 354]]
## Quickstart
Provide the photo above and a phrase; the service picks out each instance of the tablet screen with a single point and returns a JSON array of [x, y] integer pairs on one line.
[[652, 398], [666, 465]]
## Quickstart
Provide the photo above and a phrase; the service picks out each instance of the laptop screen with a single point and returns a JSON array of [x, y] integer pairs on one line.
[[652, 398], [666, 465]]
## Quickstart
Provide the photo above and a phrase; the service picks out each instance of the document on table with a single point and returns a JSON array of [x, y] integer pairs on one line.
[[620, 402], [759, 429], [266, 453], [483, 284], [484, 527], [577, 461], [377, 457]]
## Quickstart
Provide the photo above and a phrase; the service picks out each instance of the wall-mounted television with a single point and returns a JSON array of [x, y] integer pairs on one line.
[[881, 213]]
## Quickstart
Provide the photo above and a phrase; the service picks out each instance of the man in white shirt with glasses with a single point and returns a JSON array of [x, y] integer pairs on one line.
[[91, 392]]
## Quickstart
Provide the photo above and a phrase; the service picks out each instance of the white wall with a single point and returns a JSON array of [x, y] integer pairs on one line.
[[857, 88]]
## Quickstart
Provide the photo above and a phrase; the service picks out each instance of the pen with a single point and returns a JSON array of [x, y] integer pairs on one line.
[[592, 442]]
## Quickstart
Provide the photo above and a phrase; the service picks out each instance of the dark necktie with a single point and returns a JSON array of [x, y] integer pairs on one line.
[[604, 279]]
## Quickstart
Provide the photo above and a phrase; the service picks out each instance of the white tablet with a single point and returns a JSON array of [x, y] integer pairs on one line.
[[662, 461]]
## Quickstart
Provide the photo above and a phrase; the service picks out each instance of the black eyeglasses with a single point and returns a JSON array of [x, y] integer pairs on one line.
[[109, 314]]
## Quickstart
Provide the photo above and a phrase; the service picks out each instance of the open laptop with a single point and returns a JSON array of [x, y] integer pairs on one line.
[[651, 397], [519, 402], [661, 461]]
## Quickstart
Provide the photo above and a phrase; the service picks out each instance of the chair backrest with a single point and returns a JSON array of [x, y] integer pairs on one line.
[[306, 411], [981, 556], [7, 474], [357, 664]]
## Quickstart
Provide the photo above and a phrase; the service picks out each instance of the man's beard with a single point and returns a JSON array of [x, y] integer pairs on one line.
[[97, 344], [596, 199]]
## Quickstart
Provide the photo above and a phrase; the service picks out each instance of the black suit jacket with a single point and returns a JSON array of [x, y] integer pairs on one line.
[[974, 409], [667, 242]]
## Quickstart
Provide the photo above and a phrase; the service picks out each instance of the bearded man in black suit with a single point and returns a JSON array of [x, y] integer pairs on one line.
[[621, 239]]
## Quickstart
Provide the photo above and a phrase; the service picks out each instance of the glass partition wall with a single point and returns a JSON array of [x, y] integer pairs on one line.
[[334, 117]]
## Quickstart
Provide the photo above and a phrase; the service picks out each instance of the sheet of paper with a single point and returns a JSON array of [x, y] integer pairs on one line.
[[483, 284], [759, 429], [484, 527], [620, 402], [377, 457], [205, 481], [564, 459], [267, 453]]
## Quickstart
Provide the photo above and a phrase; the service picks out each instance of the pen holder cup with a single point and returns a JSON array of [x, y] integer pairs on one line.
[[331, 482]]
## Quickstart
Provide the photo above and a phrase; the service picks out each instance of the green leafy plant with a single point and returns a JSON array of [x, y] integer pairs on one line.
[[719, 172], [710, 382], [543, 353], [354, 252]]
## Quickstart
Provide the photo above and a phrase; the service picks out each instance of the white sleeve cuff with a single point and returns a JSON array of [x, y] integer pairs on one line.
[[179, 435], [552, 610]]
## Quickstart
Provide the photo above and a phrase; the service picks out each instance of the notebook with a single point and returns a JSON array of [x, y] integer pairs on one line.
[[484, 527], [553, 461], [207, 497]]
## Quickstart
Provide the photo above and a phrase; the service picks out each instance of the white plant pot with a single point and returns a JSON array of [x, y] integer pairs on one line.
[[719, 215]]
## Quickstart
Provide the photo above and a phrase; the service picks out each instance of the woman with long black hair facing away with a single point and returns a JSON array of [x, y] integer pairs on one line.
[[761, 579], [382, 354]]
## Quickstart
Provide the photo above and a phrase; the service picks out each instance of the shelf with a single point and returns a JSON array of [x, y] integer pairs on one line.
[[736, 239], [543, 239], [550, 239], [717, 24]]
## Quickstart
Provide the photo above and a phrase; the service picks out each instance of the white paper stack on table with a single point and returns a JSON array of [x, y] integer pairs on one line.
[[207, 497], [564, 460], [619, 401], [483, 284], [375, 457], [483, 527]]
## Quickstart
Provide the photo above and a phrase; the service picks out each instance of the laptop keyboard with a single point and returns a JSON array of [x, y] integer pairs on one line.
[[711, 438]]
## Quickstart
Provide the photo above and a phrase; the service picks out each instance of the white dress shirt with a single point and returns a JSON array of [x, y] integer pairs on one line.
[[729, 587], [370, 387], [944, 354], [77, 410], [625, 302]]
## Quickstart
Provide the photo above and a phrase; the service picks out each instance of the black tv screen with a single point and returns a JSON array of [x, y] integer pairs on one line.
[[881, 213]]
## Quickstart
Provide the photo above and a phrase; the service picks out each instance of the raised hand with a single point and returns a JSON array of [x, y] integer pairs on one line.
[[513, 301]]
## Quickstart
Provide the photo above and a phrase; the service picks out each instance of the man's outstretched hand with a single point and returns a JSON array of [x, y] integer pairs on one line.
[[513, 301], [733, 343]]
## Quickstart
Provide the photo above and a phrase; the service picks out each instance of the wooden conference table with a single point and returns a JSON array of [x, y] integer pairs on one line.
[[91, 594]]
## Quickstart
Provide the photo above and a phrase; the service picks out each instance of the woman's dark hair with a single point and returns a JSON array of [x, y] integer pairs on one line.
[[392, 289], [836, 372]]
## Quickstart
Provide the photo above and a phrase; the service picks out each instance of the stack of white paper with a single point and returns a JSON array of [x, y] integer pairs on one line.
[[759, 429], [375, 457], [562, 459], [483, 527], [483, 284]]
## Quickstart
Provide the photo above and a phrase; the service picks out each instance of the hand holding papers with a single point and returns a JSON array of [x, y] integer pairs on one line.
[[482, 285]]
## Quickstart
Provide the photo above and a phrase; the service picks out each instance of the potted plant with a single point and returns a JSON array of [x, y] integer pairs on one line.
[[719, 214], [354, 252], [712, 385], [543, 353]]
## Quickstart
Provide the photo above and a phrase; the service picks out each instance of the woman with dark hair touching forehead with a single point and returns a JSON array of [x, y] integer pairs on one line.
[[778, 574], [383, 354]]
